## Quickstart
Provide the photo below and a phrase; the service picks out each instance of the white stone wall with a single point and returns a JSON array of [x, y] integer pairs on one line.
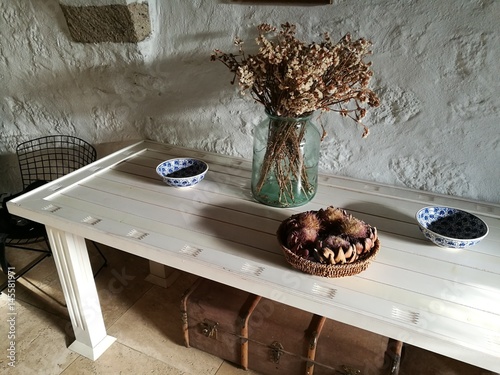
[[436, 63]]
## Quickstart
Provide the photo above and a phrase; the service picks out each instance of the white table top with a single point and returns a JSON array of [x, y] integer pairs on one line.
[[446, 301]]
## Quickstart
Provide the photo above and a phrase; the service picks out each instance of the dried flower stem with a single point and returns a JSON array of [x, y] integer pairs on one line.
[[284, 157]]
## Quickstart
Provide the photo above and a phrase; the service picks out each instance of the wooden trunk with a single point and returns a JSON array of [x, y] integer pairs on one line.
[[272, 338], [349, 349], [215, 320], [278, 338]]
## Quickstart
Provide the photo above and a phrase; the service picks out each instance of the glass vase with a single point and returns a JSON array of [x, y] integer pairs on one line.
[[285, 161]]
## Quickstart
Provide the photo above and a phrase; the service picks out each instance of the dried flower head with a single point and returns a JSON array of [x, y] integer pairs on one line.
[[292, 78]]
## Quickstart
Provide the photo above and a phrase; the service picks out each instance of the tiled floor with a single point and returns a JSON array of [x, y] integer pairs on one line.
[[143, 317]]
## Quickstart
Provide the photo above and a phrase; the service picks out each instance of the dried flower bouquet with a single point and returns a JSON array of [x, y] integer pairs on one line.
[[293, 79]]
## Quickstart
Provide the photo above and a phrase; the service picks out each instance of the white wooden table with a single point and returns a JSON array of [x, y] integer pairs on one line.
[[442, 300]]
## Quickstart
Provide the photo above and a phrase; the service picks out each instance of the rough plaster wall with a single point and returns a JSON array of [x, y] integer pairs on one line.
[[436, 66]]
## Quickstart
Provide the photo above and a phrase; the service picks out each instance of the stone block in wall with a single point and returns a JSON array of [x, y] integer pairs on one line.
[[108, 23]]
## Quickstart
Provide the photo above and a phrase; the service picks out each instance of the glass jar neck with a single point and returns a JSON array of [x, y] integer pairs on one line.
[[301, 118]]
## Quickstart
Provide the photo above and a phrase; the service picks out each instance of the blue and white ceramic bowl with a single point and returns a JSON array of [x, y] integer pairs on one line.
[[182, 172], [451, 227]]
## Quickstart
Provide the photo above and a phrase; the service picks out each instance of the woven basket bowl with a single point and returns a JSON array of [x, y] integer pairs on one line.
[[325, 270]]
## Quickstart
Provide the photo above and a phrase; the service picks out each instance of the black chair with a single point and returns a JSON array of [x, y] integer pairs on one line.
[[40, 160]]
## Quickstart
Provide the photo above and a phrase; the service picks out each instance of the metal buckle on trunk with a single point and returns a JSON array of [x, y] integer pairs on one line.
[[348, 371], [209, 328], [276, 351]]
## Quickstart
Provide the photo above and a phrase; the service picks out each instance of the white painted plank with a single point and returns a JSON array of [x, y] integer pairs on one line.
[[231, 229]]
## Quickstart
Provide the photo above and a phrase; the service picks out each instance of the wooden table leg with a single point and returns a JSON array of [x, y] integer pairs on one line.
[[77, 281]]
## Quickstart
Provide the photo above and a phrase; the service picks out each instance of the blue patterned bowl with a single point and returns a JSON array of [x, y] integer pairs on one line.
[[182, 172], [451, 227]]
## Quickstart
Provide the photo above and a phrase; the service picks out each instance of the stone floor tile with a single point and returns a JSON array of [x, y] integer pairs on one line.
[[41, 341], [153, 326], [120, 359], [231, 369]]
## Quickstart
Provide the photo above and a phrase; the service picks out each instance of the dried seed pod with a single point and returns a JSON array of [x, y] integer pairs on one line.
[[328, 254], [335, 242], [332, 214], [354, 227], [295, 248], [368, 244], [331, 219], [304, 229], [317, 256], [360, 247], [309, 220], [340, 258], [350, 250], [304, 253]]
